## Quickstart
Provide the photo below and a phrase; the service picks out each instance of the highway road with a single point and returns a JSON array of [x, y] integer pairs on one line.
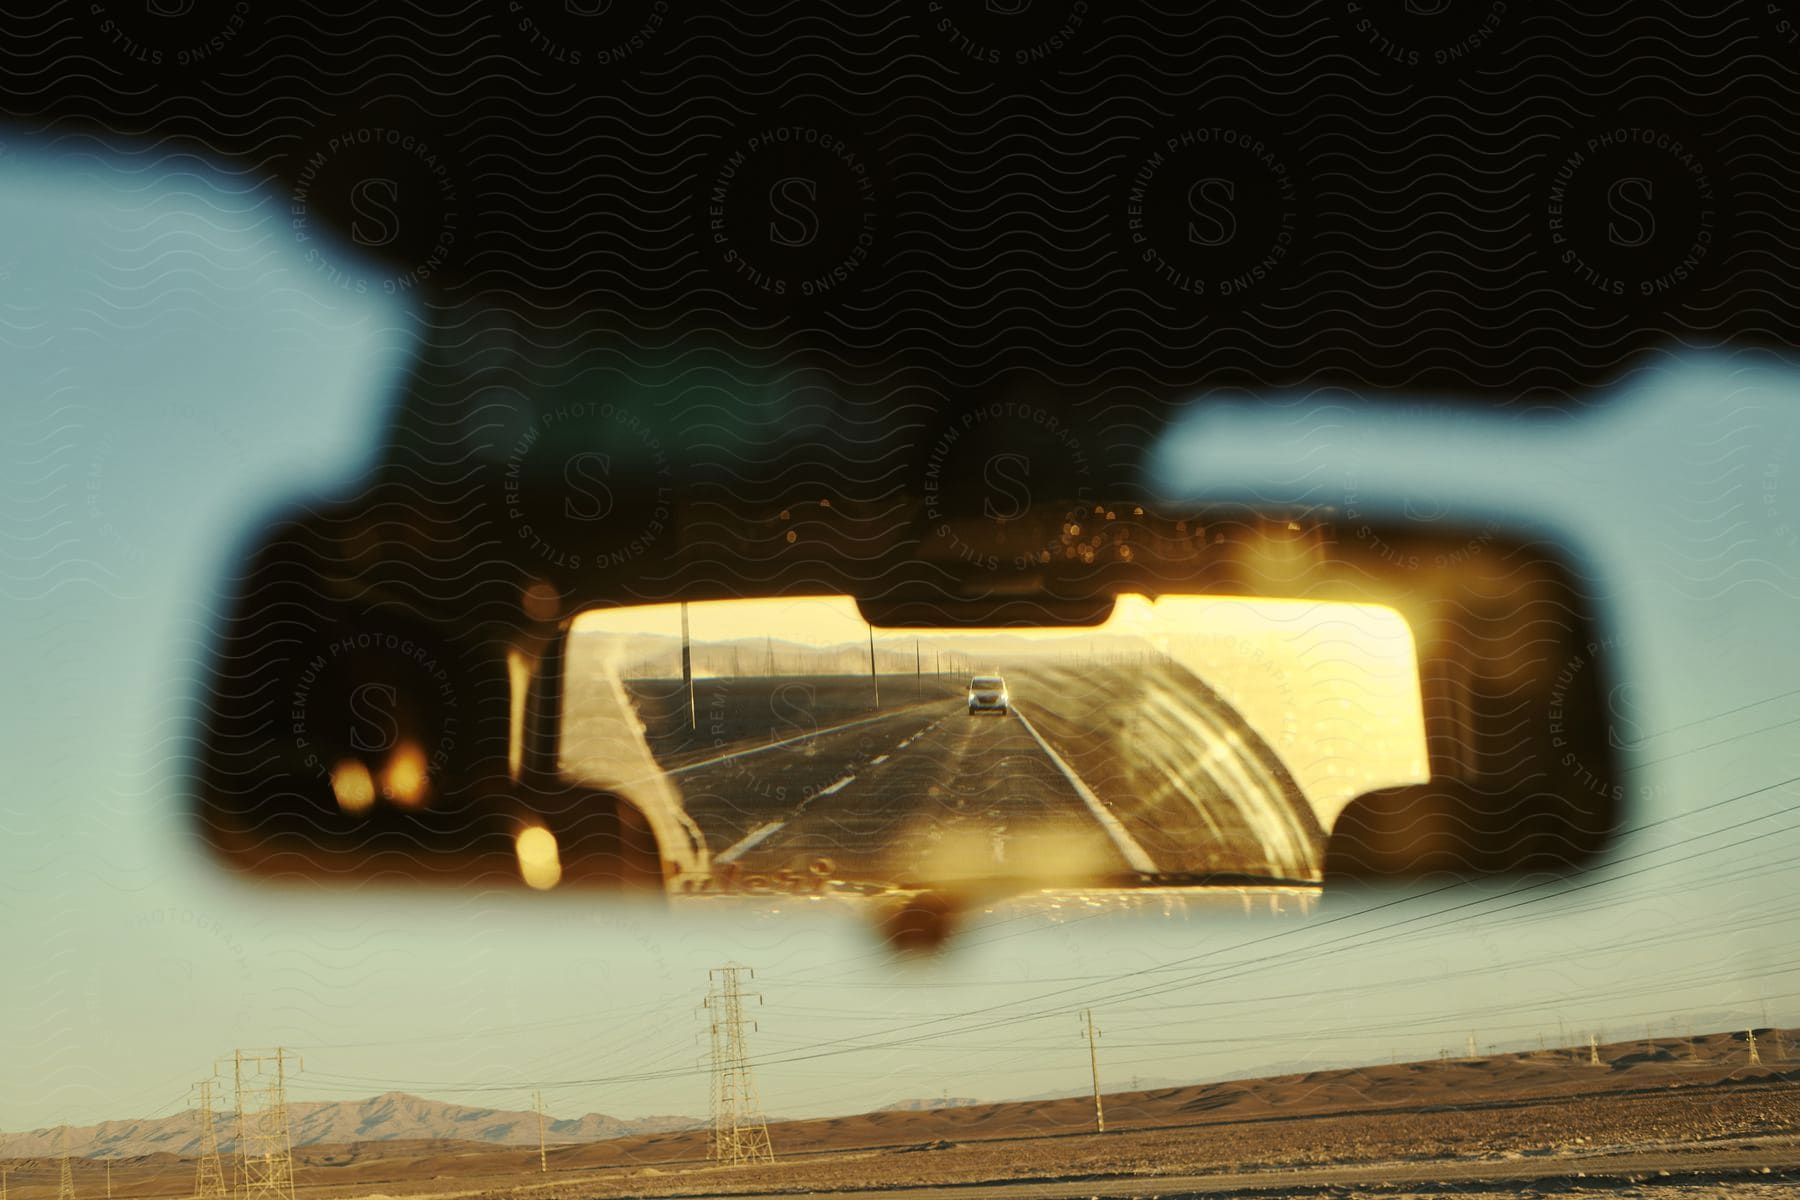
[[1096, 775], [904, 798]]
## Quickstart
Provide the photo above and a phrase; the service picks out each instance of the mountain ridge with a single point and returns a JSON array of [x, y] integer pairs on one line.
[[391, 1116]]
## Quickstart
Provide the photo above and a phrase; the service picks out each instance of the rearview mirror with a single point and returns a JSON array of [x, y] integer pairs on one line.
[[1208, 700], [1163, 745]]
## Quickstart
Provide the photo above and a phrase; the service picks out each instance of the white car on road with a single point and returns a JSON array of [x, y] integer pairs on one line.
[[987, 693]]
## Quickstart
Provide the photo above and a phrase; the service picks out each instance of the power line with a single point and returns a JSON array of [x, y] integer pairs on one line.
[[1237, 969], [1360, 938]]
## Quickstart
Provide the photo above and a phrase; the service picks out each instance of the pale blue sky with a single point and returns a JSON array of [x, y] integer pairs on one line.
[[171, 365]]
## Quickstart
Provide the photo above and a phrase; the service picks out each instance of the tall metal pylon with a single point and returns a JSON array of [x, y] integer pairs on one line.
[[1754, 1056], [1593, 1051], [265, 1149], [209, 1172], [740, 1132], [65, 1184]]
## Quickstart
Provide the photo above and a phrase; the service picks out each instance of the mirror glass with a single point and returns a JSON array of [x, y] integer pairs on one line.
[[1185, 739]]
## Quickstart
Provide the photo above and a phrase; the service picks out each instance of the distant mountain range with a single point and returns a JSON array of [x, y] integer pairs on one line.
[[389, 1117], [930, 1104]]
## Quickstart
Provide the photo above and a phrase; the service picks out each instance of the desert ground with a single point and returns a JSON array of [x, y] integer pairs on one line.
[[1670, 1119]]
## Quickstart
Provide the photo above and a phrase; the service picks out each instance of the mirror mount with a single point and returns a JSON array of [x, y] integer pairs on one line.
[[920, 609]]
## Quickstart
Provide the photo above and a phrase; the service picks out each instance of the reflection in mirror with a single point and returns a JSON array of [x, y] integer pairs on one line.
[[1184, 739]]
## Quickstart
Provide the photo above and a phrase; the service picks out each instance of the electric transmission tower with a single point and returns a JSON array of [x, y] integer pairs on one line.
[[209, 1172], [1755, 1057], [265, 1150], [740, 1133], [65, 1184], [1593, 1051]]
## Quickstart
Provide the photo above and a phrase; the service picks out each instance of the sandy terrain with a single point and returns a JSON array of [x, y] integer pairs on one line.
[[1667, 1120]]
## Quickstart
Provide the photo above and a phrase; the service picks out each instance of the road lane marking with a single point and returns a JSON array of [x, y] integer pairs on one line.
[[713, 762], [876, 762], [750, 842], [1135, 855], [836, 787]]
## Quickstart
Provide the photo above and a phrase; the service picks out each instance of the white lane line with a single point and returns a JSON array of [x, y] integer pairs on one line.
[[713, 762], [840, 784], [761, 832], [755, 836], [1121, 837], [836, 787]]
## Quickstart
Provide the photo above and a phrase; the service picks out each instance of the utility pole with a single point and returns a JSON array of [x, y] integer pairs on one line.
[[740, 1132], [209, 1172], [65, 1184], [265, 1149], [873, 677], [1094, 1067], [919, 667], [687, 668], [537, 1103], [109, 1179]]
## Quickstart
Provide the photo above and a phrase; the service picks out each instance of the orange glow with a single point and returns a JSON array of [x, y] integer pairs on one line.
[[540, 866], [351, 784], [518, 676], [405, 778]]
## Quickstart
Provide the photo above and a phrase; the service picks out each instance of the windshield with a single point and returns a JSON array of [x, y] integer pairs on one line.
[[1185, 736]]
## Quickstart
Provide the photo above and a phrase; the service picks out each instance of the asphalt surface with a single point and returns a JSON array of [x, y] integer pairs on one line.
[[1099, 772], [901, 798]]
